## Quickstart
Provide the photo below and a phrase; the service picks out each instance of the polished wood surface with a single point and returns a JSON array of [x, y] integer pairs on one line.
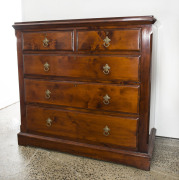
[[136, 159], [84, 95], [75, 56], [81, 127], [89, 67], [21, 81], [145, 88], [117, 21], [123, 39], [61, 40]]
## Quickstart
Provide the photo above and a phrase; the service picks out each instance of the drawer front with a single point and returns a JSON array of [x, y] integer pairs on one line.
[[88, 67], [50, 40], [124, 39], [83, 95], [83, 126]]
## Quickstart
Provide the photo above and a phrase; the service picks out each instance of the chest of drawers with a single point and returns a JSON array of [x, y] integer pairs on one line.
[[85, 87]]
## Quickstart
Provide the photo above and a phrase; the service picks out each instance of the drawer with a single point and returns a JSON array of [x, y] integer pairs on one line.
[[84, 127], [88, 67], [108, 40], [50, 40], [83, 95]]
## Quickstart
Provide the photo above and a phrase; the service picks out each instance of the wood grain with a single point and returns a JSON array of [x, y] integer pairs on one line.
[[58, 40], [81, 127], [84, 95], [122, 39], [88, 67]]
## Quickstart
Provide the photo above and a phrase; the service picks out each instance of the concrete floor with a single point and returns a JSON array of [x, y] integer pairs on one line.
[[28, 163]]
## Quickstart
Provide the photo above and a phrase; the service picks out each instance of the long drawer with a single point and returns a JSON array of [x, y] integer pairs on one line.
[[83, 95], [89, 67], [100, 129], [108, 40], [48, 40]]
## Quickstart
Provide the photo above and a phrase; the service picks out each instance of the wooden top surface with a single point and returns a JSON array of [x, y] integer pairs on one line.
[[134, 20]]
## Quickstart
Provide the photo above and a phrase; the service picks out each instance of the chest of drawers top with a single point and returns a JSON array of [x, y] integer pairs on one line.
[[89, 35]]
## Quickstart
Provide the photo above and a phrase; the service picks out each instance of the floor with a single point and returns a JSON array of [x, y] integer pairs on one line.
[[28, 163]]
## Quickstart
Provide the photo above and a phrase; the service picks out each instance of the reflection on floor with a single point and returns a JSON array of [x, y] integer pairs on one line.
[[28, 163]]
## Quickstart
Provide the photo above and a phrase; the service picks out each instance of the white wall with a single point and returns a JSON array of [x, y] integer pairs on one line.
[[10, 12], [167, 64]]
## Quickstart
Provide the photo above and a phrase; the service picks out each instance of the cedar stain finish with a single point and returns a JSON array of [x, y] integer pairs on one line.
[[121, 68], [72, 67], [57, 40], [83, 95], [81, 127], [119, 40]]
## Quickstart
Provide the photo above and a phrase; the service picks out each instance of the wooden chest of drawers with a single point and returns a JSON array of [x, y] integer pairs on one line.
[[85, 87]]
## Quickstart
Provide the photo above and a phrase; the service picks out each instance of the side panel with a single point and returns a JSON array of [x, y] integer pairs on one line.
[[21, 80], [145, 89]]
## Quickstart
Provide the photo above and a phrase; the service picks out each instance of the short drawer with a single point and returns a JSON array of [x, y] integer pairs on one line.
[[88, 67], [50, 40], [83, 95], [84, 127], [108, 40]]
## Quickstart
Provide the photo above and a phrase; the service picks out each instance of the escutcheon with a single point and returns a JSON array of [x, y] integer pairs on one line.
[[47, 94], [45, 42], [106, 69], [46, 66], [106, 99], [106, 131], [48, 122], [106, 41]]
